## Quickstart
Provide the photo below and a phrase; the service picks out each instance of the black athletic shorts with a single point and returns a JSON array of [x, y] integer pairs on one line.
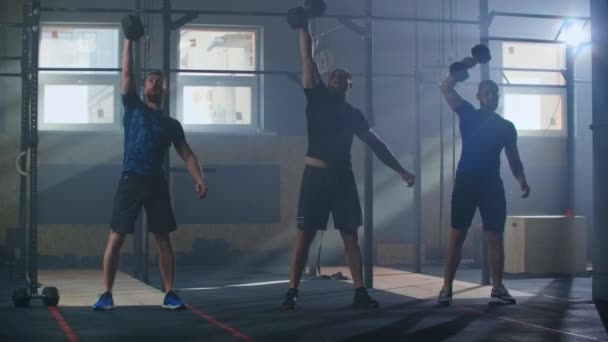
[[324, 191], [487, 194], [137, 191]]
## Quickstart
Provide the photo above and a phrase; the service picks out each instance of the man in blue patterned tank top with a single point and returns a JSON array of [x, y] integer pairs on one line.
[[148, 134]]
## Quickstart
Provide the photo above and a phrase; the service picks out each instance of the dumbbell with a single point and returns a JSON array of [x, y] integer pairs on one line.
[[132, 27], [481, 55], [298, 17]]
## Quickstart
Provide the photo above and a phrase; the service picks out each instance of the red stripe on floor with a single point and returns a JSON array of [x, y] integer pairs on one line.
[[219, 324], [63, 324]]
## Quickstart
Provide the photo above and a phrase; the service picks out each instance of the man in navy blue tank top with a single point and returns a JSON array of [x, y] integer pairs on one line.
[[328, 184], [148, 134], [478, 184]]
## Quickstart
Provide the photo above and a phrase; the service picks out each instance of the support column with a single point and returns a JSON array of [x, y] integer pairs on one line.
[[599, 38], [484, 33], [418, 152], [368, 172]]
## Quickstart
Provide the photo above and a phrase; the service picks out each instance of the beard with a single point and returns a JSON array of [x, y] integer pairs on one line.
[[155, 97]]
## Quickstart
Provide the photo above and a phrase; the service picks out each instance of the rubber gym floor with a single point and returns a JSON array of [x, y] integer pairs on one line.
[[244, 306]]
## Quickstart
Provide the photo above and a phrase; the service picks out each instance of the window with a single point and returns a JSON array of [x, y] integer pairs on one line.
[[534, 112], [537, 109], [216, 101], [79, 100]]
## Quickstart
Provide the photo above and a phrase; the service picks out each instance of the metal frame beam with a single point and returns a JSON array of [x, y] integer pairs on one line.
[[418, 147], [526, 40], [484, 38], [16, 25], [599, 37], [368, 168], [32, 240], [535, 16], [256, 14], [570, 125], [23, 221]]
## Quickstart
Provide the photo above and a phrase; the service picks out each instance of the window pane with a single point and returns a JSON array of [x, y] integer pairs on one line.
[[533, 56], [217, 50], [79, 47], [217, 105], [78, 104], [534, 111]]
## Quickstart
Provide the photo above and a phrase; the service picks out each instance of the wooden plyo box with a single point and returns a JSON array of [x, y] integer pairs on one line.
[[394, 253], [545, 245]]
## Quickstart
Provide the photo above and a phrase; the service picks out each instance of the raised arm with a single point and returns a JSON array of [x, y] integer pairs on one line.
[[127, 75], [448, 89], [517, 168], [310, 72], [386, 156], [458, 72]]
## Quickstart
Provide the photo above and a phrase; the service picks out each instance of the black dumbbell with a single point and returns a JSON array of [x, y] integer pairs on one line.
[[298, 17], [481, 55], [50, 296], [132, 27], [459, 71]]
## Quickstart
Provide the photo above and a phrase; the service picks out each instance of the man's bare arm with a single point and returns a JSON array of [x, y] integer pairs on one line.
[[386, 156], [448, 89], [127, 74], [517, 168], [193, 166], [310, 73]]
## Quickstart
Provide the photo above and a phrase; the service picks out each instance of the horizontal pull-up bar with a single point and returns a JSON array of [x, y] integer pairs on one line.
[[255, 14], [10, 58], [527, 40], [195, 71], [493, 68], [11, 25], [66, 69], [511, 85], [10, 74], [274, 72], [527, 69], [536, 16], [212, 71], [296, 73]]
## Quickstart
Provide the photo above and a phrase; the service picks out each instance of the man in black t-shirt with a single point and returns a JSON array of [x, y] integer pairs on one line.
[[328, 184], [478, 184]]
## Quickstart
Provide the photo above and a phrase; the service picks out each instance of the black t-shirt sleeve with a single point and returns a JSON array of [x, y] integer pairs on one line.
[[465, 110], [510, 135], [316, 95], [359, 123], [178, 137]]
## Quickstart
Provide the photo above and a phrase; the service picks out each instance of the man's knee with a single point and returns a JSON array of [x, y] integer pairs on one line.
[[305, 237], [458, 236], [351, 238], [163, 240], [494, 238], [116, 240]]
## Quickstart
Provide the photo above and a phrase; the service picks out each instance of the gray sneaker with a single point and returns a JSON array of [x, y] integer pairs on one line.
[[445, 296], [502, 295]]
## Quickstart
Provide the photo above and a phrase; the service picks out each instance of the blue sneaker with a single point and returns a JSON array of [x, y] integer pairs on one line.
[[173, 302], [105, 302]]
